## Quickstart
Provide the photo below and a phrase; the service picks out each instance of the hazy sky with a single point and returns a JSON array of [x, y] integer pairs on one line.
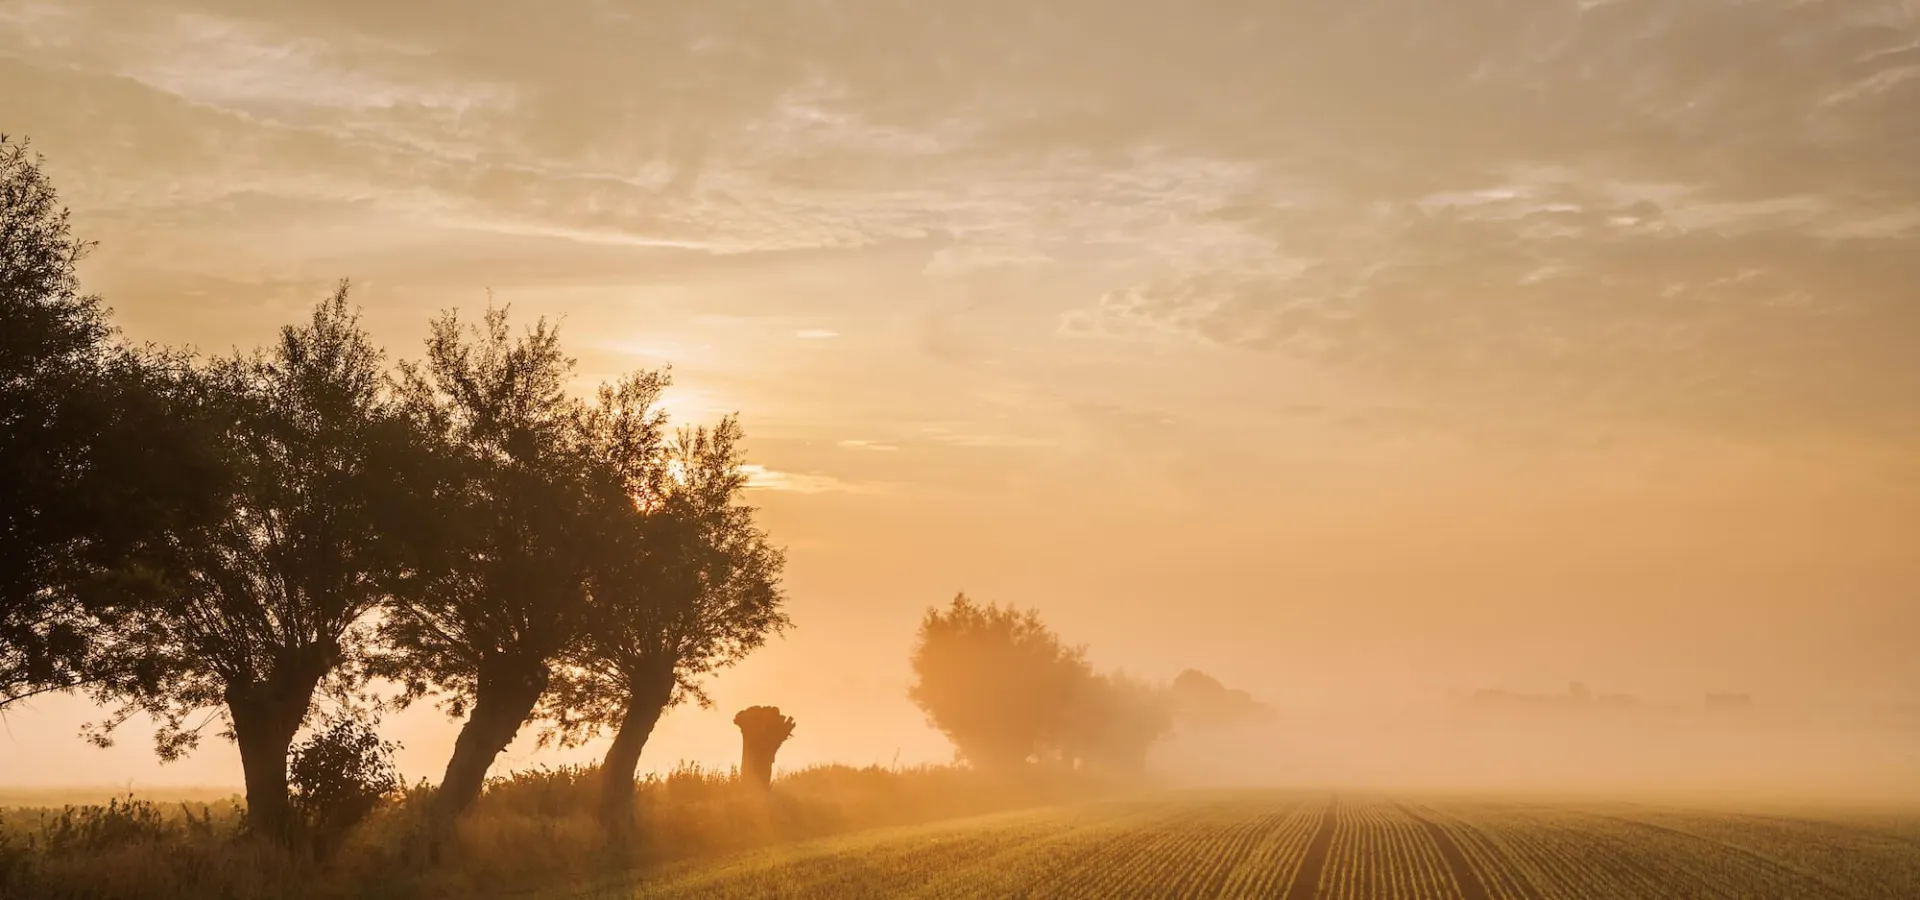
[[1352, 351]]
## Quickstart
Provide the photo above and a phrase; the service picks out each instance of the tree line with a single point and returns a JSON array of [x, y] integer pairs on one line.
[[219, 542], [1009, 693]]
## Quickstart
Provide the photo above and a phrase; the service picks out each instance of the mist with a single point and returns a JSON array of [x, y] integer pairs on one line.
[[1362, 355], [858, 448], [1665, 754]]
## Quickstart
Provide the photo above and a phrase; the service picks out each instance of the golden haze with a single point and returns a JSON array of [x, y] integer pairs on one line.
[[1358, 361]]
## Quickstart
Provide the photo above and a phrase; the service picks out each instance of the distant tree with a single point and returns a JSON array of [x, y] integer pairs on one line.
[[685, 582], [763, 729], [1113, 720], [99, 455], [506, 591], [1200, 699], [258, 607], [996, 681]]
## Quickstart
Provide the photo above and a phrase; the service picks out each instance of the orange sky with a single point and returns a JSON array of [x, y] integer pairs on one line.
[[1352, 352]]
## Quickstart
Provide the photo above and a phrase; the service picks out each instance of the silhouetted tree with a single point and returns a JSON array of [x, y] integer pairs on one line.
[[507, 588], [53, 343], [685, 583], [762, 730], [100, 454], [256, 608], [996, 681]]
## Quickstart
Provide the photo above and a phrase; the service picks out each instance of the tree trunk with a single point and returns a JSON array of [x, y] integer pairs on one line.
[[648, 700], [762, 730], [266, 715], [503, 699]]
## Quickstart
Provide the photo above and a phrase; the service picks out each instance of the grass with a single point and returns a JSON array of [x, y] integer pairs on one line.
[[528, 831], [57, 798]]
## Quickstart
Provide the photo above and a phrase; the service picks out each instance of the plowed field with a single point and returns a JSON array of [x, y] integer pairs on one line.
[[1336, 847]]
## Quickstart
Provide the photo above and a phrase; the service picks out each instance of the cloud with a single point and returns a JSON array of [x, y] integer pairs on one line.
[[969, 254], [815, 334], [867, 445], [1740, 316], [1701, 212], [249, 65], [240, 64], [760, 477], [964, 435]]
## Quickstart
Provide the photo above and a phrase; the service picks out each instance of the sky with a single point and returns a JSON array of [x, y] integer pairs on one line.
[[1354, 352]]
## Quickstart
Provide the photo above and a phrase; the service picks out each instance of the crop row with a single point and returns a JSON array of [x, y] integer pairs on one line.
[[1861, 857], [1379, 851], [1254, 845], [1166, 850], [1503, 877], [1229, 850], [1571, 855]]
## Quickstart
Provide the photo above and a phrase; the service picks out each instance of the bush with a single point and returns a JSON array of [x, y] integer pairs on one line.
[[338, 777]]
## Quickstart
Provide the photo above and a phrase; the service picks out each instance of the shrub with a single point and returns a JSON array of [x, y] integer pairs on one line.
[[338, 777]]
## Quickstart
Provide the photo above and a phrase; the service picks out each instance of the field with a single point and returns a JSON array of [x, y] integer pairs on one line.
[[1345, 847]]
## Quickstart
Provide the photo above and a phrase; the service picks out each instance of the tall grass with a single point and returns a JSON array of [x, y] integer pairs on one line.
[[531, 829]]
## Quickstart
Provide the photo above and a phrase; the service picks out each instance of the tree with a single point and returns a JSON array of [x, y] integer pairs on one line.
[[996, 681], [52, 346], [1112, 722], [258, 607], [1200, 699], [506, 590], [99, 455], [685, 584], [763, 729]]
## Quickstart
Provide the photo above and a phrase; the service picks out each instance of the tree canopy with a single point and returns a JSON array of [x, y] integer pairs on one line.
[[52, 352], [505, 588], [996, 680], [100, 452], [258, 606], [686, 582], [1008, 692]]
